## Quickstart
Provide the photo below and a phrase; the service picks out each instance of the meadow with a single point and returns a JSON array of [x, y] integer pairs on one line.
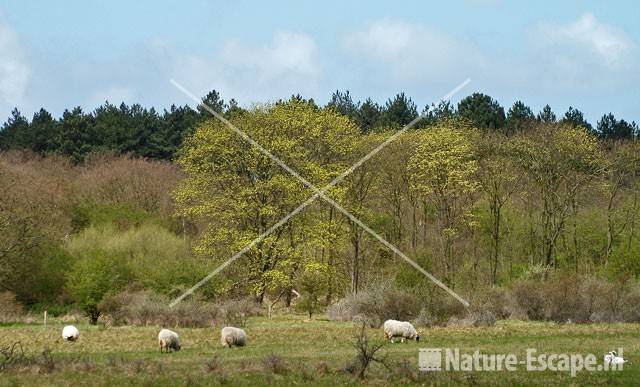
[[294, 350]]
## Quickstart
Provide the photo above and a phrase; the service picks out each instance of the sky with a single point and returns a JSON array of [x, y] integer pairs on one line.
[[58, 55]]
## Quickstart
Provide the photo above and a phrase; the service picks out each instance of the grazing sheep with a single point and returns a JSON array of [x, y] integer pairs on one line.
[[231, 336], [402, 329], [70, 333], [168, 340]]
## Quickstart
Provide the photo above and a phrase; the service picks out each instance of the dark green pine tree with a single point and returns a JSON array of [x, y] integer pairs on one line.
[[482, 111], [77, 137], [399, 111], [213, 101], [13, 132], [143, 137], [111, 124], [611, 129], [300, 98], [176, 124], [575, 117], [233, 110], [343, 104], [546, 115], [43, 133], [369, 116], [434, 113], [519, 118]]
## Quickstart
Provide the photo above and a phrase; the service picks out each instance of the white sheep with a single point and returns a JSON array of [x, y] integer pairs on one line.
[[402, 329], [231, 336], [168, 340], [70, 333]]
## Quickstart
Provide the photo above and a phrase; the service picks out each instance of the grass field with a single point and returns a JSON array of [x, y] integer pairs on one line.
[[291, 350]]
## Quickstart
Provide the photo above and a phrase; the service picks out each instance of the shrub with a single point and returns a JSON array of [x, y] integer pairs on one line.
[[400, 304], [367, 352], [375, 304], [123, 180], [214, 365], [631, 304], [94, 276], [149, 251], [143, 307], [578, 299], [425, 319], [496, 300], [10, 309], [563, 303], [593, 292], [440, 308], [529, 298], [235, 312], [484, 318], [314, 283], [274, 364]]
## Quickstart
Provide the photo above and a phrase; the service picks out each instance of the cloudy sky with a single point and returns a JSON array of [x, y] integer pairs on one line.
[[63, 54]]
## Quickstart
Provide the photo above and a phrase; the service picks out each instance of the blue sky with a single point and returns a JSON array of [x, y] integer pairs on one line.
[[63, 54]]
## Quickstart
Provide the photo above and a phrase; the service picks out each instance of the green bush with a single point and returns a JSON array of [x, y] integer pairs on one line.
[[156, 258], [94, 275], [314, 283], [40, 276], [124, 216]]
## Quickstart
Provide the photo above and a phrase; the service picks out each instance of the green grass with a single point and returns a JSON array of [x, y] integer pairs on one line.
[[314, 352]]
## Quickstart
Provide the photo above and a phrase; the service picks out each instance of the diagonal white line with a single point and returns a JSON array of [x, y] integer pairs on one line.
[[244, 249], [318, 193], [395, 250]]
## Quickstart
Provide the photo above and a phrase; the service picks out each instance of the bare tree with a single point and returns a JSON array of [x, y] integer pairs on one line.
[[367, 352]]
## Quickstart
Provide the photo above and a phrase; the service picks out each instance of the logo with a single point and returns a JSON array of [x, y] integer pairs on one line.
[[452, 359], [430, 359]]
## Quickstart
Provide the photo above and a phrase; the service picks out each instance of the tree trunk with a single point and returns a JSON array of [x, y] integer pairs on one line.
[[610, 230], [355, 272], [632, 222], [496, 214], [574, 236]]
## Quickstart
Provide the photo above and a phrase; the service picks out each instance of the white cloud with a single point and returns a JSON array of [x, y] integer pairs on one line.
[[587, 41], [414, 52], [289, 64], [14, 71], [289, 54]]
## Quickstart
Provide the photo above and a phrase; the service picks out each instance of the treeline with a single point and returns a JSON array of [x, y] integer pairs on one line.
[[472, 201], [473, 206], [157, 135]]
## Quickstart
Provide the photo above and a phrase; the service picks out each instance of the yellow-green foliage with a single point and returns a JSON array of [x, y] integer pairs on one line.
[[152, 255], [444, 162], [442, 171], [235, 192]]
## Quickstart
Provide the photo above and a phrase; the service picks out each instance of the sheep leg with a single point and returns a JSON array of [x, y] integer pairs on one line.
[[402, 340]]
